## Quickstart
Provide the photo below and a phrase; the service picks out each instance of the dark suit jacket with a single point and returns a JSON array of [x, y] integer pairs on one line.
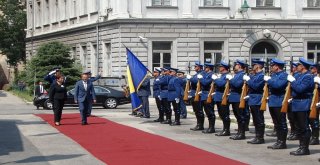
[[37, 90], [57, 92], [81, 94]]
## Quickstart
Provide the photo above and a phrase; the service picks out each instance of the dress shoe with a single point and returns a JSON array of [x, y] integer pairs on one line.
[[158, 120], [278, 145], [175, 123], [197, 128], [57, 123], [256, 141], [239, 137], [209, 130], [84, 123], [166, 122], [300, 151]]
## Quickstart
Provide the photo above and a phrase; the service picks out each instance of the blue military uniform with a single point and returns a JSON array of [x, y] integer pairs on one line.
[[164, 82], [174, 94], [293, 130], [236, 84], [277, 85], [302, 88], [144, 92], [314, 123], [156, 94], [183, 107], [206, 82], [223, 110], [256, 84], [197, 106]]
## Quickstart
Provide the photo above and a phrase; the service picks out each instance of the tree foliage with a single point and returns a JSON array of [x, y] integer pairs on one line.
[[12, 25], [48, 56]]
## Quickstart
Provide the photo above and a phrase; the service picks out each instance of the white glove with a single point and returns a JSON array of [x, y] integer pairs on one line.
[[246, 78], [213, 93], [289, 101], [316, 80], [246, 97], [229, 76], [266, 78], [52, 72], [157, 79], [199, 92], [214, 77], [290, 78], [318, 105], [199, 76], [177, 100], [188, 77], [159, 97]]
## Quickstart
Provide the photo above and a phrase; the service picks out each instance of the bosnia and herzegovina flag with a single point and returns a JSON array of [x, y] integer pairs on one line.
[[136, 73]]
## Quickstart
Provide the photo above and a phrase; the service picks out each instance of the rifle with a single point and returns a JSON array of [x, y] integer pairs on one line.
[[244, 92], [197, 95], [265, 95], [287, 96], [315, 100], [212, 88], [186, 91], [226, 92]]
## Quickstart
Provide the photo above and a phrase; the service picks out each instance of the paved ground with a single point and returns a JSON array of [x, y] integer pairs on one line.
[[28, 140]]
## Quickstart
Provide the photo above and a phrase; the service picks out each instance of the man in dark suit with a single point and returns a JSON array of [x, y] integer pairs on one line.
[[84, 95], [144, 92], [39, 89]]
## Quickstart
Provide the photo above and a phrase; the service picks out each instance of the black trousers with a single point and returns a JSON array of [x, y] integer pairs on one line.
[[197, 107], [176, 109], [314, 123], [240, 114], [224, 113], [279, 119], [166, 106], [291, 119], [258, 120], [302, 123], [209, 110], [159, 106], [57, 109]]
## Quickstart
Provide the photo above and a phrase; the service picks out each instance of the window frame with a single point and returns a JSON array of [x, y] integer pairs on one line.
[[162, 52], [315, 52], [265, 3]]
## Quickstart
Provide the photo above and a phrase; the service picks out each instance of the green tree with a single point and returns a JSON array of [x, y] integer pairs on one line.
[[12, 25], [48, 56]]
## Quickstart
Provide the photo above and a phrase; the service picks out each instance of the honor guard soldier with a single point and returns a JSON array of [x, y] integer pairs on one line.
[[196, 105], [174, 94], [256, 83], [302, 87], [223, 110], [314, 123], [206, 82], [183, 82], [293, 130], [156, 93], [236, 84], [164, 81], [277, 84]]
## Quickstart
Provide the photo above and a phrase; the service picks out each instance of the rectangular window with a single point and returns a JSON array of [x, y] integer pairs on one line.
[[314, 52], [84, 6], [47, 7], [84, 57], [39, 14], [313, 3], [93, 58], [265, 3], [213, 52], [161, 54], [161, 2], [57, 13], [107, 60], [212, 2]]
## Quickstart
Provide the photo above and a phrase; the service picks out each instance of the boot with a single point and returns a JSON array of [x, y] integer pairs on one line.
[[160, 119], [259, 136], [241, 135], [272, 134], [211, 127], [315, 136], [238, 131], [168, 121], [197, 127], [176, 120], [303, 148], [281, 142], [226, 129]]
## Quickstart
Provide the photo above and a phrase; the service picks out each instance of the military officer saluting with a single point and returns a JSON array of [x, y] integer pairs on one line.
[[196, 105], [256, 83], [206, 82], [236, 83], [223, 110], [277, 84], [302, 87], [174, 92]]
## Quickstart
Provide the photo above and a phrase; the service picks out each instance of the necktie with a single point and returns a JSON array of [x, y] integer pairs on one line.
[[41, 89], [85, 85]]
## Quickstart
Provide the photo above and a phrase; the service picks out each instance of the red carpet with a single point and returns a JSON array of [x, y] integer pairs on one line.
[[116, 144]]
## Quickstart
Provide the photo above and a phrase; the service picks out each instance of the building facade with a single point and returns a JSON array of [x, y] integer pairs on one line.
[[175, 32]]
